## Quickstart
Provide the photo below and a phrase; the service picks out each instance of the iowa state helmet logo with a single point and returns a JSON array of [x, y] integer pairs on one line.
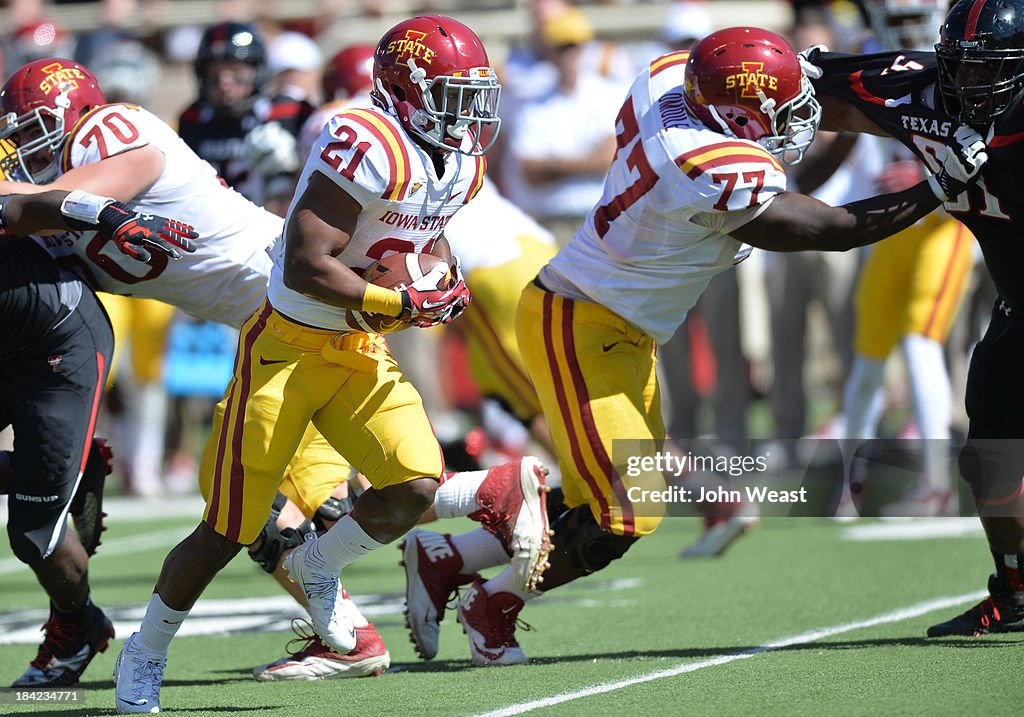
[[751, 79], [411, 46], [56, 75]]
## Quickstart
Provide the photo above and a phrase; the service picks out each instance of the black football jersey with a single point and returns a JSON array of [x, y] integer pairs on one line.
[[900, 93], [35, 295], [220, 139]]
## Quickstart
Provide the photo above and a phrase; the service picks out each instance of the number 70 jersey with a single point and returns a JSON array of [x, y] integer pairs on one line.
[[672, 195]]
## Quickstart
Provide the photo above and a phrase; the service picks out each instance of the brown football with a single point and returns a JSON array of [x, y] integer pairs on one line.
[[395, 271]]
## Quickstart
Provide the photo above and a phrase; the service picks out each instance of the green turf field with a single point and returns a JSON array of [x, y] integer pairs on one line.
[[796, 619]]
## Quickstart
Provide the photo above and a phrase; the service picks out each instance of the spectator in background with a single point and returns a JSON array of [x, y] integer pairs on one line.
[[562, 139], [686, 22], [294, 61]]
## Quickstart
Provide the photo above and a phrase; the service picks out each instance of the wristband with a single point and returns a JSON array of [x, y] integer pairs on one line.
[[378, 300], [82, 209]]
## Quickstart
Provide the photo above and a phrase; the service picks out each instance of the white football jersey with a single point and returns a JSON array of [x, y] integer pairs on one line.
[[672, 195], [405, 207], [484, 233], [225, 279], [309, 135]]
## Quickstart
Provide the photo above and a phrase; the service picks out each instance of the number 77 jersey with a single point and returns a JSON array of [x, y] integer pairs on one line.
[[672, 195]]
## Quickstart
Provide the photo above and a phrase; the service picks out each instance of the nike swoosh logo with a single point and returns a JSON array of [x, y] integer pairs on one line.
[[489, 654], [434, 304], [168, 622], [264, 362], [608, 347]]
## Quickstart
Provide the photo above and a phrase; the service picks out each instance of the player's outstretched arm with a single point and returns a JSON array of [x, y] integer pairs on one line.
[[796, 222], [135, 233]]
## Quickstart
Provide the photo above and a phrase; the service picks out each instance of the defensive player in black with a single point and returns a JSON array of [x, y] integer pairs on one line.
[[249, 138], [55, 350], [974, 77]]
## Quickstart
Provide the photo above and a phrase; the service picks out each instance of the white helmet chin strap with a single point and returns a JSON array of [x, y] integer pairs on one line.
[[723, 126]]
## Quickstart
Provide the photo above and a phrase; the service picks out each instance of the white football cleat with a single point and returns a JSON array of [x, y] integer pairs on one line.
[[489, 622], [137, 679], [323, 593], [317, 661]]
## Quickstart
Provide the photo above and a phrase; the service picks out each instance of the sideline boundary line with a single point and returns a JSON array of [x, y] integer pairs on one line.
[[915, 610]]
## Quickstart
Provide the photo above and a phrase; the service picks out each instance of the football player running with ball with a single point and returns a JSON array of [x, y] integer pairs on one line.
[[975, 77], [698, 178], [381, 180]]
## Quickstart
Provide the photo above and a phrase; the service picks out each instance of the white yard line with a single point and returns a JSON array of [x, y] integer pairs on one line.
[[915, 529], [906, 613]]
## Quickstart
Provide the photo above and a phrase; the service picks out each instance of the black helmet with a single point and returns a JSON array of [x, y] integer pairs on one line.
[[981, 59], [232, 41]]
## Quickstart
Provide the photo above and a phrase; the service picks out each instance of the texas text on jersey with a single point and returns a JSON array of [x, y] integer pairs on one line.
[[674, 192], [908, 83], [405, 205]]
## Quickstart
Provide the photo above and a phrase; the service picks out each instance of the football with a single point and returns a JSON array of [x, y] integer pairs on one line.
[[397, 271]]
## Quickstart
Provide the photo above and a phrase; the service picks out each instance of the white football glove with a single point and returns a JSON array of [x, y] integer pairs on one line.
[[961, 167], [807, 58], [271, 149]]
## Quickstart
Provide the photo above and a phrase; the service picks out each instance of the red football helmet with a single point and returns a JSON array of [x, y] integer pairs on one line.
[[746, 82], [433, 74], [39, 105], [348, 73]]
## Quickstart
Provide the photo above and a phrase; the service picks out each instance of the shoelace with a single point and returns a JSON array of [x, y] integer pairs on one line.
[[304, 636], [988, 610], [150, 669]]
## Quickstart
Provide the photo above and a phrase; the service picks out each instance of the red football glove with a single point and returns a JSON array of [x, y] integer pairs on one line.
[[425, 303], [135, 233]]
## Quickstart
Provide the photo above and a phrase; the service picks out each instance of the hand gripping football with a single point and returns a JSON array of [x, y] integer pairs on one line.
[[399, 271]]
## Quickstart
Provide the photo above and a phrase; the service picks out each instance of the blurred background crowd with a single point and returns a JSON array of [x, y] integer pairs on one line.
[[770, 353]]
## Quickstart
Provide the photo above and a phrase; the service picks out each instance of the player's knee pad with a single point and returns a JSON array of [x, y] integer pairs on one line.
[[331, 511], [266, 550], [588, 547]]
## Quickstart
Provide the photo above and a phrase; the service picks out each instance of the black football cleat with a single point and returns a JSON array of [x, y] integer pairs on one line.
[[1001, 611], [87, 503], [67, 649]]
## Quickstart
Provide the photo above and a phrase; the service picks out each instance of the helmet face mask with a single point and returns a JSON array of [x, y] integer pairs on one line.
[[981, 60], [747, 83], [231, 66], [433, 74], [39, 105]]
